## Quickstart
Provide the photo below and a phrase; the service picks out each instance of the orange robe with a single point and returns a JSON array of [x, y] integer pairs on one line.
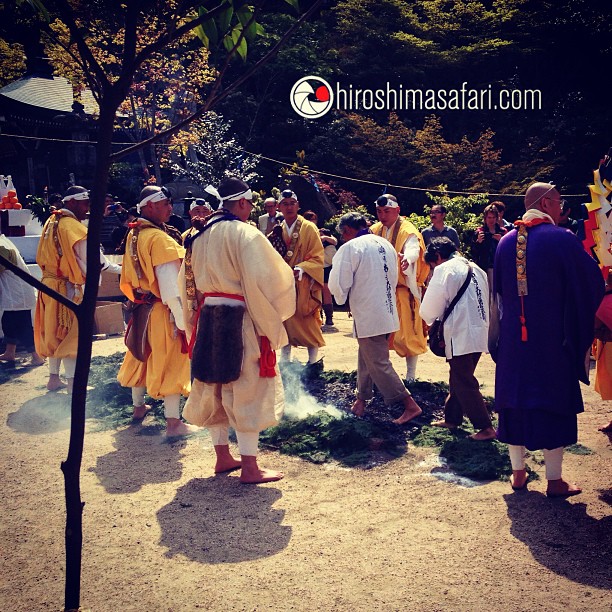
[[56, 328], [166, 371], [410, 339], [304, 327]]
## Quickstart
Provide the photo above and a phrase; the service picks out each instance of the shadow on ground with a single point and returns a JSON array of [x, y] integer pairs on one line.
[[563, 537], [220, 520], [143, 456]]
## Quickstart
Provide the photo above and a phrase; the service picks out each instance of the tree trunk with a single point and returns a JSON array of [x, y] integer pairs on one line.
[[71, 467]]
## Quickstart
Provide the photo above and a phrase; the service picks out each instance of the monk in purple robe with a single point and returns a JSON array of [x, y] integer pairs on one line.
[[549, 289]]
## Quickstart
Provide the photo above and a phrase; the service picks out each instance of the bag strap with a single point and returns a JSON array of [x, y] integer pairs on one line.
[[461, 291]]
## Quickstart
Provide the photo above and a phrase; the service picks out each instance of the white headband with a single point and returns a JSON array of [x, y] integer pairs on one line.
[[199, 203], [82, 195], [158, 196], [247, 195], [386, 202]]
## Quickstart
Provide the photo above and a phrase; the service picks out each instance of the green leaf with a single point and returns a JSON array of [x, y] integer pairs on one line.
[[207, 32], [244, 14], [225, 18], [242, 49]]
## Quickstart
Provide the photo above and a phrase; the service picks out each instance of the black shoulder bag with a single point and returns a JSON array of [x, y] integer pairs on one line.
[[436, 331]]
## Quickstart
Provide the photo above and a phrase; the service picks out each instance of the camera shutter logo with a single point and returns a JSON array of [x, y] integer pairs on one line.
[[311, 97]]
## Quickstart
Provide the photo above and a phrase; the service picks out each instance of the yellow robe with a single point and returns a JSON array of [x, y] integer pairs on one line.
[[235, 258], [166, 371], [304, 328], [56, 329], [603, 369], [410, 339]]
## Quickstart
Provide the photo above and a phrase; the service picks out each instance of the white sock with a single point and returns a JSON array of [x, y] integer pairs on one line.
[[172, 408], [553, 460], [219, 435], [517, 456], [138, 396], [69, 366], [54, 365], [411, 364], [313, 353], [248, 442]]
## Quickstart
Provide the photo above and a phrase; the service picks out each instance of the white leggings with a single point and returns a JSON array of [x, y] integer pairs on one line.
[[553, 460], [313, 353], [172, 408], [411, 364], [69, 366], [248, 441]]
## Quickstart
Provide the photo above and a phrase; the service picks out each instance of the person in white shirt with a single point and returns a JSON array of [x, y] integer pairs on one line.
[[409, 341], [465, 333], [17, 299], [267, 222], [366, 266]]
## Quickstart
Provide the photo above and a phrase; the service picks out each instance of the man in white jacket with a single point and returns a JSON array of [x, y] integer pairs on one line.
[[17, 299], [367, 267], [465, 333]]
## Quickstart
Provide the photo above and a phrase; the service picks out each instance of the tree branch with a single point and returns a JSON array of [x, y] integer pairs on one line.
[[34, 282], [212, 100], [93, 67], [171, 36]]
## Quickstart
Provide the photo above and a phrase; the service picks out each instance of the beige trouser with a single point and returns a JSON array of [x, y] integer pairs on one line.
[[374, 367]]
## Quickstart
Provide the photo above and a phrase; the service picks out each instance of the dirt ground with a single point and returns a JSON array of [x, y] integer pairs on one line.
[[161, 533]]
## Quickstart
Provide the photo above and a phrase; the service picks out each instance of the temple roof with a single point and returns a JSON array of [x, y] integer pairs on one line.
[[53, 94]]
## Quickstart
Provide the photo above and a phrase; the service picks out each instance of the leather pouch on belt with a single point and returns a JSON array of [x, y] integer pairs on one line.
[[219, 348], [136, 332]]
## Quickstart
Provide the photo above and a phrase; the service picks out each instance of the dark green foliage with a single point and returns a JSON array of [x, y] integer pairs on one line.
[[466, 457], [321, 437], [578, 449], [40, 209], [107, 401]]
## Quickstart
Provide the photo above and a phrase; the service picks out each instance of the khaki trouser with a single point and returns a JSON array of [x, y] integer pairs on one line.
[[464, 397], [374, 367]]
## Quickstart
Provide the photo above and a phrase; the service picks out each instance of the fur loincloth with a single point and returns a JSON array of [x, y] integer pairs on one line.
[[219, 348]]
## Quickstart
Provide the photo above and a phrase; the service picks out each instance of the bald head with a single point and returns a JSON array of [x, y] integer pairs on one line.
[[544, 197], [536, 194]]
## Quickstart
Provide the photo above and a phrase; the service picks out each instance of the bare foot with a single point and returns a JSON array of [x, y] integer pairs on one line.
[[411, 411], [7, 358], [225, 462], [484, 435], [176, 428], [262, 475], [140, 412], [358, 407], [36, 360], [443, 424], [562, 489], [55, 383], [518, 480], [253, 474], [606, 428]]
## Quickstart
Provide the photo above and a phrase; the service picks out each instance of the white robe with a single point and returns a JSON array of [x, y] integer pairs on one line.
[[233, 257], [365, 270], [15, 294], [466, 329]]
